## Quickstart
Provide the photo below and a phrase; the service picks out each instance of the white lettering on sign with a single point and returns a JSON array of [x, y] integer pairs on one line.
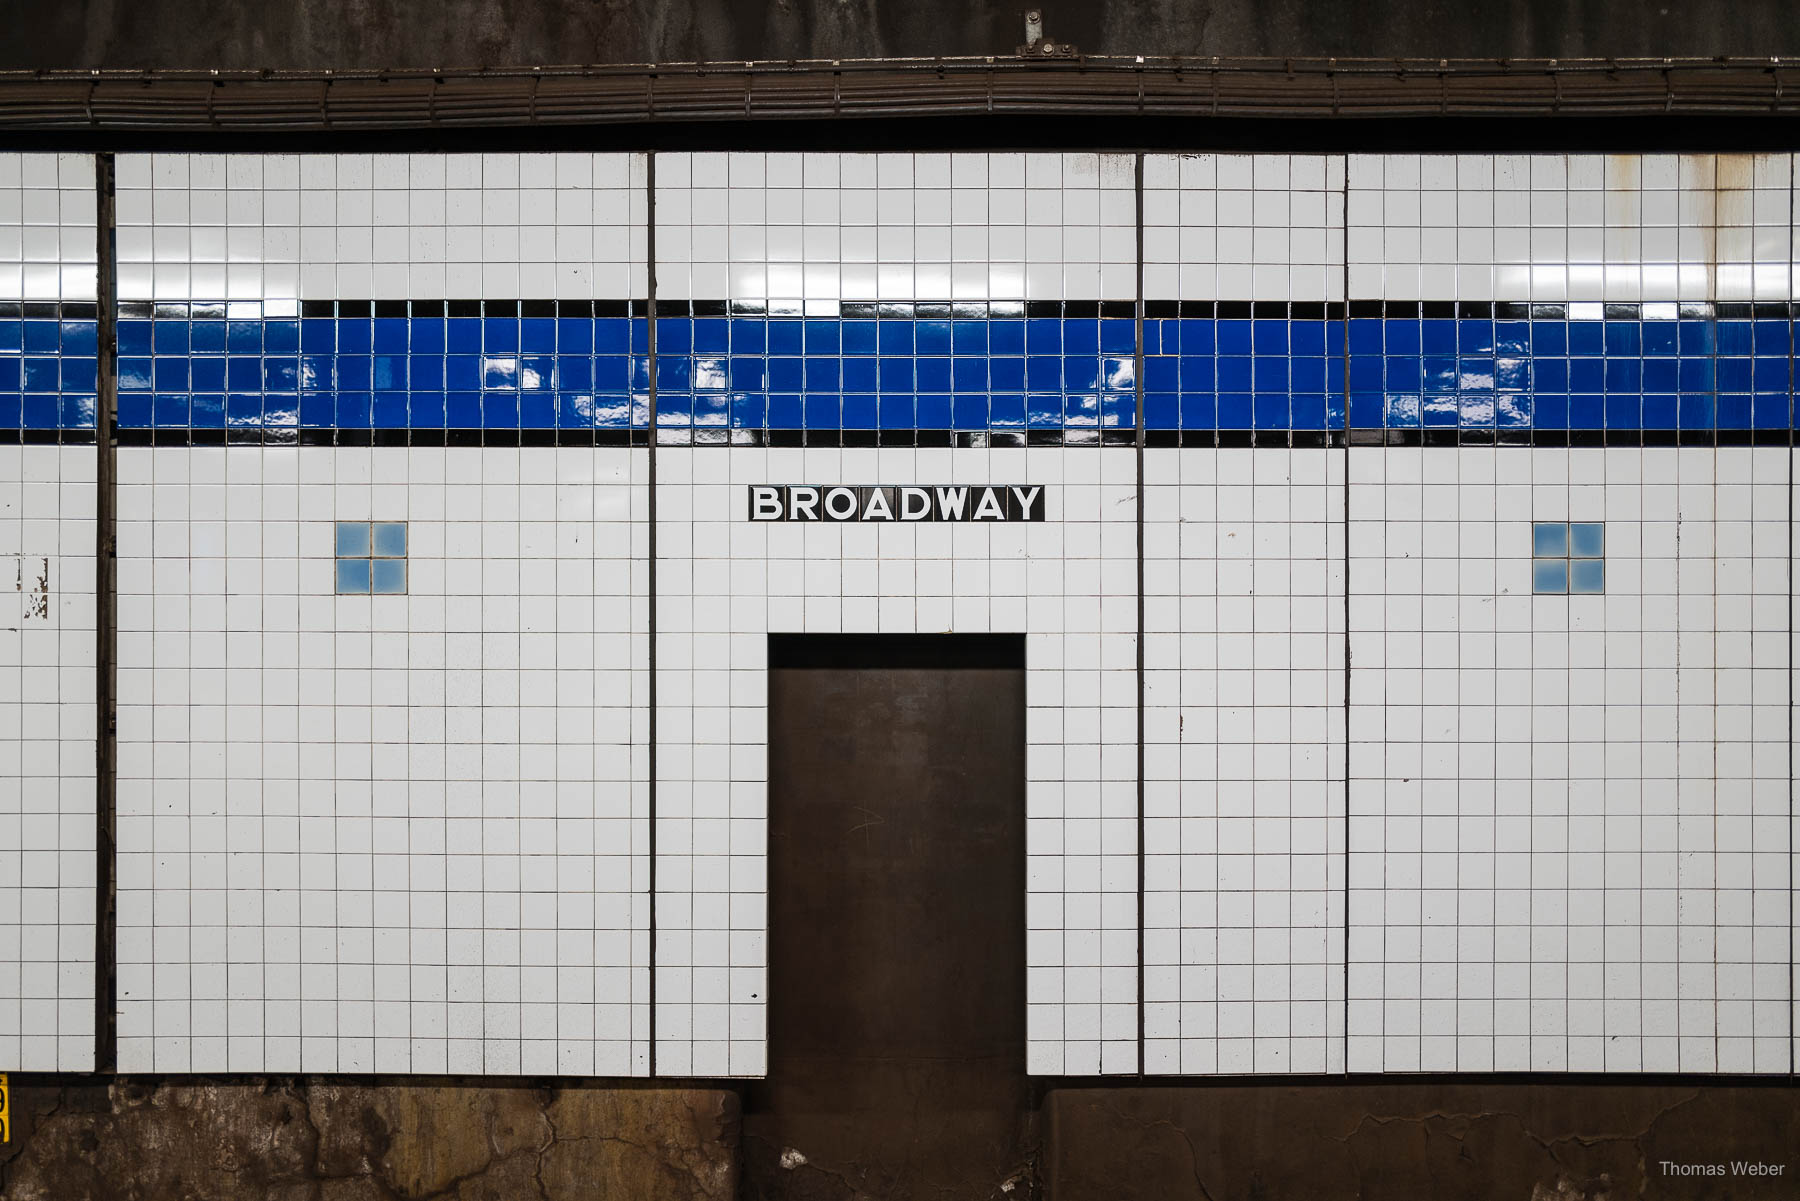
[[897, 502]]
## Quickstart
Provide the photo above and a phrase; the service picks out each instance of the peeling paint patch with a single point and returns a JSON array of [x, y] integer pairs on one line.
[[791, 1159], [31, 580]]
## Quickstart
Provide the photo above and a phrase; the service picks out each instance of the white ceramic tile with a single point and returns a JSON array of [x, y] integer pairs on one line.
[[1244, 761], [1580, 227], [48, 707], [1568, 814], [391, 833], [385, 226], [1244, 227], [805, 231]]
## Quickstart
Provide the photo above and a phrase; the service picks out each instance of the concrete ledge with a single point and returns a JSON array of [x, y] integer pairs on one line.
[[315, 1140], [1410, 1141]]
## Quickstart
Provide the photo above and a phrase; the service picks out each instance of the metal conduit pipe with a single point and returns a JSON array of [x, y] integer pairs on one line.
[[242, 101]]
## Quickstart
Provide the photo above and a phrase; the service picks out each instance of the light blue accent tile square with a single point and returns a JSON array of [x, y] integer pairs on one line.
[[388, 576], [353, 576], [353, 539], [390, 539], [1587, 575], [1550, 538], [1587, 540], [1550, 575]]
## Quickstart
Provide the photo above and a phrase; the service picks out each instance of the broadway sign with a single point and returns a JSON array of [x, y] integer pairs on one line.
[[903, 502]]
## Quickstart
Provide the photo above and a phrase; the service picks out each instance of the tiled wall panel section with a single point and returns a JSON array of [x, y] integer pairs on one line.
[[48, 708], [1244, 761], [47, 214], [901, 291], [273, 295], [48, 345], [393, 833], [724, 583], [48, 702], [1569, 291], [1569, 815], [804, 232]]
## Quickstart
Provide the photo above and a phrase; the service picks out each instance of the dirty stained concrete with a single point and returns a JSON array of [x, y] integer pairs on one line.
[[313, 34], [289, 1140], [1422, 1141], [313, 1140]]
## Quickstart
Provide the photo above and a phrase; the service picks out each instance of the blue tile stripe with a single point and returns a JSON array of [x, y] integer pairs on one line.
[[49, 365], [939, 369], [463, 365], [998, 368]]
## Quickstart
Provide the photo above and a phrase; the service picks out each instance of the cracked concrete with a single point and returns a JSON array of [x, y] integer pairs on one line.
[[321, 1140], [1408, 1140]]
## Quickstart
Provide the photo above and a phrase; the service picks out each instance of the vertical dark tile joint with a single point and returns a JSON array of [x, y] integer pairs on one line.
[[1138, 421], [105, 623], [650, 576]]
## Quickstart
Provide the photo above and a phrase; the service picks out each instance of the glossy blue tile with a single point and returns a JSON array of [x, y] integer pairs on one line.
[[353, 576], [387, 576], [1587, 576], [352, 538], [1587, 540], [1550, 538]]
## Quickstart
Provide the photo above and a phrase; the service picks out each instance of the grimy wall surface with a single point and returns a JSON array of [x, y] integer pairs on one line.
[[224, 34]]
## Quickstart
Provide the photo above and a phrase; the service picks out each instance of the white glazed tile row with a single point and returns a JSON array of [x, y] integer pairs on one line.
[[286, 227]]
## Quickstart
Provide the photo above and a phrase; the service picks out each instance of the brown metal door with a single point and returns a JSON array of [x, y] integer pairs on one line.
[[896, 920]]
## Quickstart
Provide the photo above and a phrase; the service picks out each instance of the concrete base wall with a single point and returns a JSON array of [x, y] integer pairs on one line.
[[309, 1141], [1409, 1141], [287, 1140]]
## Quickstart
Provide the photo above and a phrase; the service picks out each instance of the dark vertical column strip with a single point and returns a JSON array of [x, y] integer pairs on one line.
[[1138, 380], [650, 580], [105, 623], [1345, 267]]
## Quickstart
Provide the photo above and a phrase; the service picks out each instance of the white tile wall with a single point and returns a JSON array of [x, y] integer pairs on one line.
[[1244, 227], [48, 708], [411, 833], [393, 833], [1569, 814], [384, 226], [1554, 227], [1244, 761], [47, 237], [812, 229], [1068, 583]]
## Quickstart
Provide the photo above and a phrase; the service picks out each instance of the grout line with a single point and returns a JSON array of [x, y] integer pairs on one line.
[[106, 775], [650, 571]]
